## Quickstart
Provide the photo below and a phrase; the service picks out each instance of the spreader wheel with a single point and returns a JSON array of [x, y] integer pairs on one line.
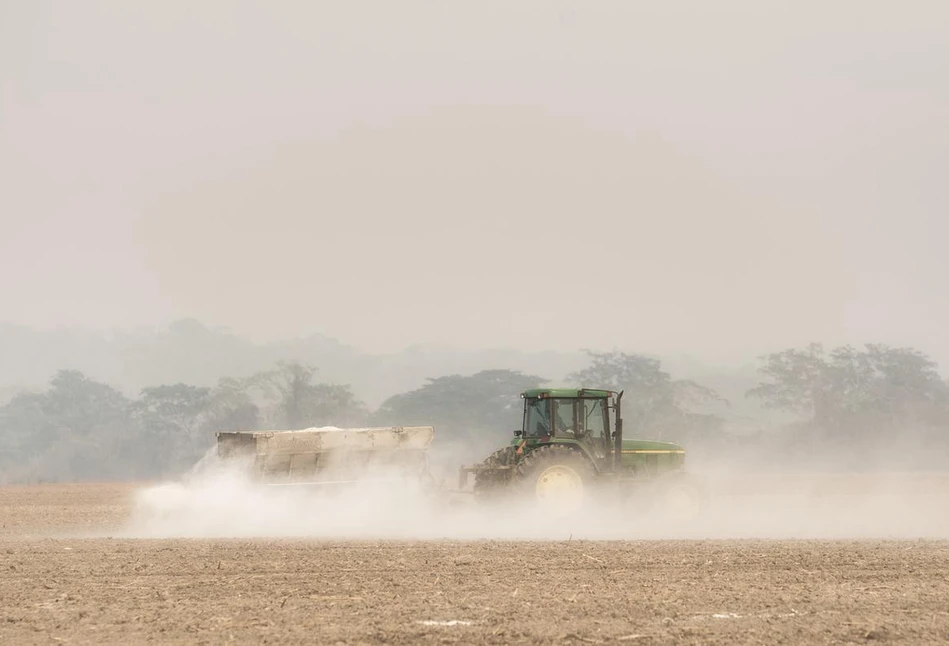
[[679, 498]]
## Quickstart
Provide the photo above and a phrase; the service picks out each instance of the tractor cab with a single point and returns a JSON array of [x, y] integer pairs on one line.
[[568, 416]]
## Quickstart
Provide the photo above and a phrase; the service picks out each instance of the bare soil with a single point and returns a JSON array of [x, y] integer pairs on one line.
[[59, 588]]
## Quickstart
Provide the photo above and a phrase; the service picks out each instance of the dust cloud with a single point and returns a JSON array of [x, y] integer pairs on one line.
[[217, 501]]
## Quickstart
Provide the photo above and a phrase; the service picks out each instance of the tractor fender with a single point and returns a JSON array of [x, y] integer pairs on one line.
[[577, 447]]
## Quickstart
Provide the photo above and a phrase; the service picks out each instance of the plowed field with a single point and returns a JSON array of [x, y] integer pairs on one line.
[[57, 586]]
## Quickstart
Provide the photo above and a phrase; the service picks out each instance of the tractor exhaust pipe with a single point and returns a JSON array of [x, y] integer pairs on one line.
[[618, 434]]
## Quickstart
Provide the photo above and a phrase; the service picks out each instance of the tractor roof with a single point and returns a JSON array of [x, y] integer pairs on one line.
[[567, 392]]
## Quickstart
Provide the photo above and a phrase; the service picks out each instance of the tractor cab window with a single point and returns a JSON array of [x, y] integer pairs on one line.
[[565, 417], [595, 418], [536, 422]]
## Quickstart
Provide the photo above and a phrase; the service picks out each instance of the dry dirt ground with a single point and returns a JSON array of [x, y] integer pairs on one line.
[[58, 588]]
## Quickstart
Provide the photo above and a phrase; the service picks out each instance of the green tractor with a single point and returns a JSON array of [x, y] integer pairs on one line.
[[571, 443]]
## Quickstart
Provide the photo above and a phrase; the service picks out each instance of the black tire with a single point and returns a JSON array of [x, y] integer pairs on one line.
[[556, 479]]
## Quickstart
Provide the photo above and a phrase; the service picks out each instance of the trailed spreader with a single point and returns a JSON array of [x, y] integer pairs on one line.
[[327, 456]]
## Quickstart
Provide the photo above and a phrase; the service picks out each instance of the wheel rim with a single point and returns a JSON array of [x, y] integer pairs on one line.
[[559, 488]]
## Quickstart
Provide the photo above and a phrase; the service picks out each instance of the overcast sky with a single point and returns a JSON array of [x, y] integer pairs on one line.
[[712, 178]]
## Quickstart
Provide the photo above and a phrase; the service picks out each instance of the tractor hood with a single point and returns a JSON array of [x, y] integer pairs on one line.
[[652, 457], [651, 447]]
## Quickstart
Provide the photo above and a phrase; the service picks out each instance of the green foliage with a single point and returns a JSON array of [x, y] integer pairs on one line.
[[83, 429], [231, 407], [847, 392], [67, 432], [464, 409], [294, 401], [654, 404], [170, 420], [618, 371]]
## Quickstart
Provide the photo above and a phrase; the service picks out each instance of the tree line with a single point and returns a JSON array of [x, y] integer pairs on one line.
[[82, 429]]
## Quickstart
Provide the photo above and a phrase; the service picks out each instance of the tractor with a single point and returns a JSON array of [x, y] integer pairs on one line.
[[571, 443]]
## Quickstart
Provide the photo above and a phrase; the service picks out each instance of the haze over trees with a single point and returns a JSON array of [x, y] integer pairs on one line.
[[472, 413], [80, 429], [654, 403], [846, 401], [190, 352], [859, 399]]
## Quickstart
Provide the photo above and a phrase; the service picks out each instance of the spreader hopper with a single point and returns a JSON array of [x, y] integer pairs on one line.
[[330, 455]]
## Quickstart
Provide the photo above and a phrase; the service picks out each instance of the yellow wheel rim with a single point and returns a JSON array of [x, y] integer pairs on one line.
[[560, 488]]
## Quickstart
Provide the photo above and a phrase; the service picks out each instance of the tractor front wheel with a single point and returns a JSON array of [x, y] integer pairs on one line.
[[556, 477]]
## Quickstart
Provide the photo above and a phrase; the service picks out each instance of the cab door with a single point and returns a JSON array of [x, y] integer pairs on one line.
[[596, 425]]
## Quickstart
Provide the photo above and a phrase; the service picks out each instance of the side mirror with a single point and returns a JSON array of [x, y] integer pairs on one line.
[[518, 433]]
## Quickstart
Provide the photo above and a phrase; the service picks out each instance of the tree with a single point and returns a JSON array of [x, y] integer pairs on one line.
[[477, 410], [170, 417], [656, 405], [795, 381], [26, 433], [295, 402], [78, 429], [231, 407], [848, 392]]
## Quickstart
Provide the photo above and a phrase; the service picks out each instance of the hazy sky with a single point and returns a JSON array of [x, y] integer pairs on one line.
[[702, 177]]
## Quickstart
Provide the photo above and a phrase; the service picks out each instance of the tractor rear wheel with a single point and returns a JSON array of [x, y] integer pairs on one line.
[[556, 478]]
